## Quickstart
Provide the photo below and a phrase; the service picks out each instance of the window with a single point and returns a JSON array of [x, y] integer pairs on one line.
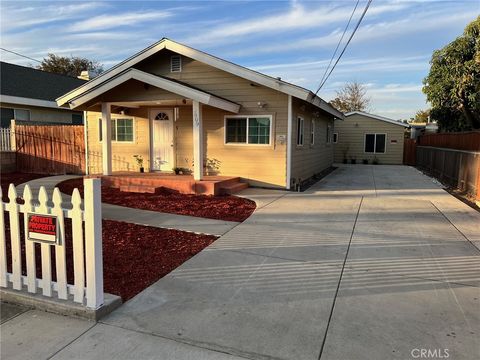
[[312, 132], [176, 63], [335, 138], [122, 129], [300, 131], [329, 134], [253, 130], [22, 114], [375, 143], [77, 119]]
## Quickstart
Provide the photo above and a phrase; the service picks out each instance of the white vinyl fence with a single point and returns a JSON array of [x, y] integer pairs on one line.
[[45, 224], [5, 140]]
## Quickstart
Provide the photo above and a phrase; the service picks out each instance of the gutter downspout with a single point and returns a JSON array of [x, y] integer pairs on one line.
[[85, 134], [289, 141]]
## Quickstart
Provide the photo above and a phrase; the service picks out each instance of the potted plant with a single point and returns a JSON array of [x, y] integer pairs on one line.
[[375, 161], [353, 160], [178, 171], [365, 161], [139, 160]]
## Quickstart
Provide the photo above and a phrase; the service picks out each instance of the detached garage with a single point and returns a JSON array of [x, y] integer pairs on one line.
[[362, 136]]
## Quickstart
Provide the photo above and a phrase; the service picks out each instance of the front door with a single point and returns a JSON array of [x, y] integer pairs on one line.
[[162, 140]]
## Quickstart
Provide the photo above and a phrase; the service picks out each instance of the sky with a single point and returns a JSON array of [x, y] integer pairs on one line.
[[295, 40]]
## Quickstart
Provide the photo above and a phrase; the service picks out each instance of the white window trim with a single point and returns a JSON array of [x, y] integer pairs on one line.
[[247, 117], [336, 140], [303, 131], [171, 59], [121, 117], [312, 132], [374, 143], [15, 113]]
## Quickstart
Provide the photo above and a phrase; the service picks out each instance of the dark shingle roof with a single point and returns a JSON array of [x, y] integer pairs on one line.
[[31, 83]]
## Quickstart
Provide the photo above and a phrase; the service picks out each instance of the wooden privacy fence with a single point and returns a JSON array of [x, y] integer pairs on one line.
[[409, 152], [44, 226], [469, 141], [50, 149]]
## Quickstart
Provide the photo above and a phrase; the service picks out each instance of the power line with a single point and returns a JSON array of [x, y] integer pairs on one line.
[[346, 45], [339, 42], [26, 57]]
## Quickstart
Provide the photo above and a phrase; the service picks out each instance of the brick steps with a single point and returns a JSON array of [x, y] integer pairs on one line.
[[232, 188], [150, 183]]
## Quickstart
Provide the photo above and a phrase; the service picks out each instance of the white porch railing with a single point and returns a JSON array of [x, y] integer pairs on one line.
[[45, 224], [5, 142]]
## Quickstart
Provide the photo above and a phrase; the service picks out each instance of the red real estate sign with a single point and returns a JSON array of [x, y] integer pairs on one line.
[[42, 228]]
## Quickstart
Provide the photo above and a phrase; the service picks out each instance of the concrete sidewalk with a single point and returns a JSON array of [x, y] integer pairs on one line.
[[138, 216], [371, 263]]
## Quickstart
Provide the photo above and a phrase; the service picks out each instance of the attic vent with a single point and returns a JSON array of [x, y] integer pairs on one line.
[[176, 63]]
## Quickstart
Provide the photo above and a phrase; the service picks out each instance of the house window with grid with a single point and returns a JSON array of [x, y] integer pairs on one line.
[[252, 130], [375, 143], [122, 129]]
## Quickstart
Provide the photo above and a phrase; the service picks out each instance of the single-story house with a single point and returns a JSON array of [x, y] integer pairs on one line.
[[362, 136], [29, 94], [178, 107]]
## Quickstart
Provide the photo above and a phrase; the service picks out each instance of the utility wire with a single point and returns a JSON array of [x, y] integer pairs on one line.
[[339, 42], [346, 45], [26, 57]]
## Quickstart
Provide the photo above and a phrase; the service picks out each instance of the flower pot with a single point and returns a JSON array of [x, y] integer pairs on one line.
[[142, 170]]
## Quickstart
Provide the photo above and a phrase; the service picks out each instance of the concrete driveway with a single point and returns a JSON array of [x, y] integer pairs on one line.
[[373, 262]]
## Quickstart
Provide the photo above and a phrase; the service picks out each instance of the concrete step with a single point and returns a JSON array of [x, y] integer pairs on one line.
[[138, 189], [229, 189]]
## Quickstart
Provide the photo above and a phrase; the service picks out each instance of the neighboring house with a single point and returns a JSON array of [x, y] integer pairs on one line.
[[29, 94], [366, 136], [178, 107]]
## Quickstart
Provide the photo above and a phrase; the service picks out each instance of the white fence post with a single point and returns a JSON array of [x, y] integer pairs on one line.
[[93, 242], [15, 238], [3, 246], [29, 245]]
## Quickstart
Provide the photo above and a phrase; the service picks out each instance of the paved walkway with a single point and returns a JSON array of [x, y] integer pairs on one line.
[[371, 263], [141, 217]]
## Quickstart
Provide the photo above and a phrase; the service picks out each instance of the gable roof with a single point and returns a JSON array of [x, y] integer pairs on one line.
[[377, 117], [26, 82], [240, 71], [176, 87]]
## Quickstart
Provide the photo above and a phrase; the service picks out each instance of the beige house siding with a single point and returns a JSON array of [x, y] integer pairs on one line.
[[260, 165], [309, 159], [39, 114], [351, 139]]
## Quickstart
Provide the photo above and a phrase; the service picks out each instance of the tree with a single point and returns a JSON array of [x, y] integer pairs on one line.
[[453, 84], [352, 97], [72, 66], [421, 116]]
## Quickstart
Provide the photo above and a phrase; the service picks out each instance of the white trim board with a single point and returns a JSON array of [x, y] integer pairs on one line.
[[159, 82], [208, 59], [17, 100], [376, 117]]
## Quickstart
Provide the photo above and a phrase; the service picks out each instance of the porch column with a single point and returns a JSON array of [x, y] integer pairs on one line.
[[197, 141], [106, 139]]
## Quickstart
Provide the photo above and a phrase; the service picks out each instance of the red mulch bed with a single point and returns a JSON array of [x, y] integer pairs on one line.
[[229, 208], [134, 256]]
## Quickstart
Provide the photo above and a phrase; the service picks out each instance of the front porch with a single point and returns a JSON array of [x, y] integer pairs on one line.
[[185, 184]]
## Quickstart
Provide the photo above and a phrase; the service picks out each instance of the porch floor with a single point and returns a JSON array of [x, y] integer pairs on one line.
[[185, 184]]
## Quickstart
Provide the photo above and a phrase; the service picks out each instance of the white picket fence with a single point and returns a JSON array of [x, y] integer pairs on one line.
[[5, 139], [87, 247]]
